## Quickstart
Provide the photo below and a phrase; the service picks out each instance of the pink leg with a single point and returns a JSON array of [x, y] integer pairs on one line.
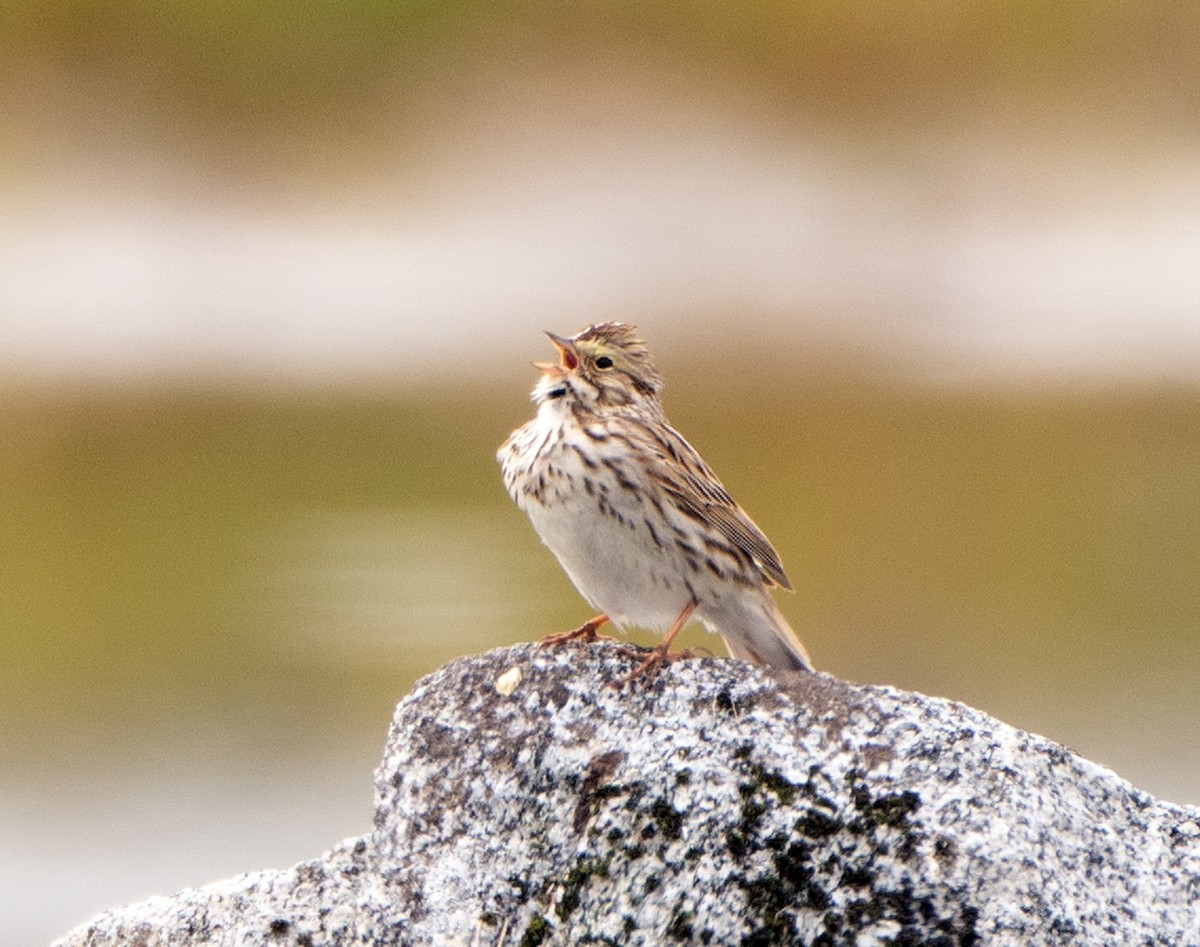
[[585, 632], [661, 653]]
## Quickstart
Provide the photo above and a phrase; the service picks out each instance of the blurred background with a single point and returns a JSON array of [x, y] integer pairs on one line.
[[923, 280]]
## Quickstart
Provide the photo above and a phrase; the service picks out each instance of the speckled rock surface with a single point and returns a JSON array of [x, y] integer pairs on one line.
[[715, 804]]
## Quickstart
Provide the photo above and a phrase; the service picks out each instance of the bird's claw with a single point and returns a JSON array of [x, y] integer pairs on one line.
[[649, 662], [587, 633]]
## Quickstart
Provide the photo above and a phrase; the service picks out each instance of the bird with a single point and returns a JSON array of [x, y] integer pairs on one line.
[[640, 523]]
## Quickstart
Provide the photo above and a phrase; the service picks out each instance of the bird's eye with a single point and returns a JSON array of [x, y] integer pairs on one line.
[[604, 362]]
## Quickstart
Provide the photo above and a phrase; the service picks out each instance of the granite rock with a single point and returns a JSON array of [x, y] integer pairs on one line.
[[521, 801]]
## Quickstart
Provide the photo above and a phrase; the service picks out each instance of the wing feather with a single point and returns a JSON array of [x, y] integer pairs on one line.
[[689, 483]]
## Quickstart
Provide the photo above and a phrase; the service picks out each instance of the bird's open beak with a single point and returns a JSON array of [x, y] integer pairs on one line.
[[566, 352]]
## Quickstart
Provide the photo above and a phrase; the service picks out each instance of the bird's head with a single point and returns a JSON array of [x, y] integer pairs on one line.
[[604, 365]]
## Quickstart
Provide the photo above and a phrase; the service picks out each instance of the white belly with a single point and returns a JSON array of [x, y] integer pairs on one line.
[[599, 536], [617, 567]]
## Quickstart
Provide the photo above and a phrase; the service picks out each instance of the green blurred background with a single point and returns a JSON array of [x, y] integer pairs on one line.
[[922, 279]]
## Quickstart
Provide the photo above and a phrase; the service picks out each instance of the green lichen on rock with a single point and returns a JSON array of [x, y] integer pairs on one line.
[[536, 933], [577, 879]]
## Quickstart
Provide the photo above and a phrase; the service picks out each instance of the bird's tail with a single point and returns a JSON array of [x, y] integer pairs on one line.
[[761, 635]]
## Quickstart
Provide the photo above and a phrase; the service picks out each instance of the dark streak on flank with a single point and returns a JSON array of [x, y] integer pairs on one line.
[[622, 480], [584, 458], [653, 535]]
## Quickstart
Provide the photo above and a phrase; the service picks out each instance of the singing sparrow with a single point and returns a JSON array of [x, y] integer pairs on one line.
[[637, 519]]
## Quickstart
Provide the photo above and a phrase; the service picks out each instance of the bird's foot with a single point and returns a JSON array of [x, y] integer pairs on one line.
[[649, 662], [587, 633]]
